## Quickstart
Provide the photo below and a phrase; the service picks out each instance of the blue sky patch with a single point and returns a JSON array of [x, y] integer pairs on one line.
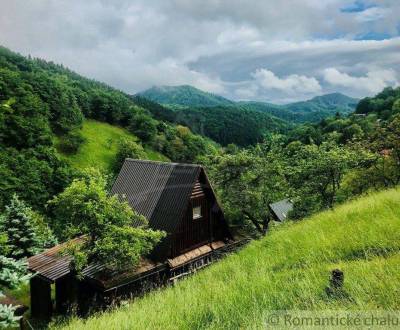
[[356, 7], [373, 36]]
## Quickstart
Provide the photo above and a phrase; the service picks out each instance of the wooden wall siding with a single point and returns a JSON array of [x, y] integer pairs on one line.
[[41, 304], [66, 293], [198, 190], [192, 232]]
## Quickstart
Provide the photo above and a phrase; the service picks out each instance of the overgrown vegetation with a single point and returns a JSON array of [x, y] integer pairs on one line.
[[55, 124], [242, 123], [114, 234], [44, 146], [288, 269], [42, 102], [102, 145], [317, 166]]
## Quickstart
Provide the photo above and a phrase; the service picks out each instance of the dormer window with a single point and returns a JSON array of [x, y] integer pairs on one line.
[[197, 212]]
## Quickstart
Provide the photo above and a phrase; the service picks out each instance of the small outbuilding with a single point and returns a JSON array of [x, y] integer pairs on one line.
[[281, 209], [175, 198]]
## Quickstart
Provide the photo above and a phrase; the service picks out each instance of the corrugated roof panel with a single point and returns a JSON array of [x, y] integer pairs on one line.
[[281, 208], [141, 183], [159, 191], [174, 198], [51, 264]]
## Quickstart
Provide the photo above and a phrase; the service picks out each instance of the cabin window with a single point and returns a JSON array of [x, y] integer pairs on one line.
[[197, 212]]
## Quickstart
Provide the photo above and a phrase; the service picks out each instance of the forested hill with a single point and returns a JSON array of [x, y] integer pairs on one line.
[[223, 124], [188, 97], [43, 107], [312, 111], [184, 96]]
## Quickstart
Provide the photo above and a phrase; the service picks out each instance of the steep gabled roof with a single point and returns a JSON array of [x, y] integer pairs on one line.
[[159, 191], [281, 208]]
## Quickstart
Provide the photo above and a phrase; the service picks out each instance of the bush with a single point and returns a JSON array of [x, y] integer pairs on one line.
[[143, 126], [110, 225], [70, 142], [127, 149]]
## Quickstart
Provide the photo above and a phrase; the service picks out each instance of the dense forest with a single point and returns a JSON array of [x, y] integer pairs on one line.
[[316, 165], [184, 96], [42, 101], [313, 110], [44, 106], [241, 123], [224, 124]]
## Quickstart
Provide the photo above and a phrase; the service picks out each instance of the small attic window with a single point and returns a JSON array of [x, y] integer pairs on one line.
[[197, 212]]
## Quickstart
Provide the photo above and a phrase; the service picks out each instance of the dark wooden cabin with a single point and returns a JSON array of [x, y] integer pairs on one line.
[[175, 198]]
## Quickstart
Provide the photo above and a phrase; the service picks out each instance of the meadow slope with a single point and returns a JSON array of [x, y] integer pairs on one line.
[[101, 145], [288, 269]]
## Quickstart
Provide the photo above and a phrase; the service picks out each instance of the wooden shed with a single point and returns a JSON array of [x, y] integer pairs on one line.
[[175, 198]]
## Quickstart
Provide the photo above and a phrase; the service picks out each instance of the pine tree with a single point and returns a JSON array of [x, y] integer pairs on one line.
[[16, 223]]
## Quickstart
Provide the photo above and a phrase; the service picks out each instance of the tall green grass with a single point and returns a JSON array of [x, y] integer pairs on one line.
[[100, 146], [288, 269]]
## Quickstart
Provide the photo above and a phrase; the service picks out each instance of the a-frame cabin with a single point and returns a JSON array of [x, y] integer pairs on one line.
[[175, 198]]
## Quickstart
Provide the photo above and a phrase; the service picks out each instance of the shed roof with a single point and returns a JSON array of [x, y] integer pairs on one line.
[[51, 264], [159, 191], [281, 208]]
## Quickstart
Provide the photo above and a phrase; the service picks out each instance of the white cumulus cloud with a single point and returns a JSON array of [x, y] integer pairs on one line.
[[292, 84], [371, 83]]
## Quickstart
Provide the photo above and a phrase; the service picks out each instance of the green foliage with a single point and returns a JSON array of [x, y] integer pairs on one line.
[[181, 145], [143, 126], [42, 103], [209, 115], [17, 223], [382, 104], [12, 274], [26, 119], [188, 97], [35, 174], [85, 208], [156, 109], [288, 269], [184, 96], [101, 146], [311, 111], [316, 172], [248, 181], [7, 316], [44, 234], [70, 142], [227, 125], [127, 149]]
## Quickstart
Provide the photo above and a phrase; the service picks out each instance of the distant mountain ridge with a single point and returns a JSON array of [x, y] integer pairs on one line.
[[313, 110], [184, 96]]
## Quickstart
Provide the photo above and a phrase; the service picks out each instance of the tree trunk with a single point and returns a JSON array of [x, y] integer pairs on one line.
[[255, 222]]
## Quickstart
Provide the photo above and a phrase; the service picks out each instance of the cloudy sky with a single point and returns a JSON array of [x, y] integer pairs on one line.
[[277, 51]]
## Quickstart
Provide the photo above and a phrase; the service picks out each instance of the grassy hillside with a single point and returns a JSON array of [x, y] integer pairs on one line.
[[100, 146], [288, 269]]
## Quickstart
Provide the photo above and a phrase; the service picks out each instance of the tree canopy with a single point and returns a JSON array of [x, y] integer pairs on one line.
[[114, 234]]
